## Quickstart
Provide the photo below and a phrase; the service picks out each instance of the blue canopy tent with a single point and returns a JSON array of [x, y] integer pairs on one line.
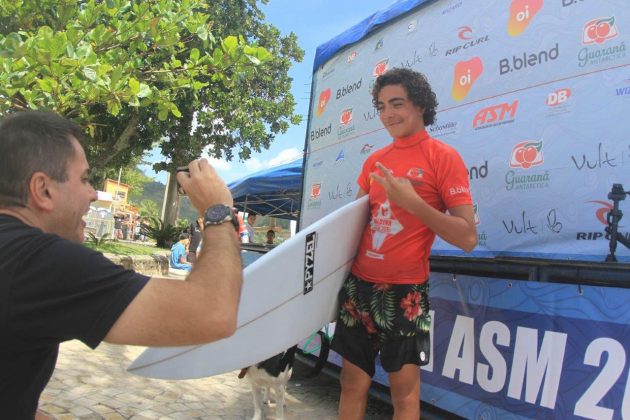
[[272, 192]]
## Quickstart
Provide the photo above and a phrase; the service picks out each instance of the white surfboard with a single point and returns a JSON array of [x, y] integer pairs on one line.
[[287, 294]]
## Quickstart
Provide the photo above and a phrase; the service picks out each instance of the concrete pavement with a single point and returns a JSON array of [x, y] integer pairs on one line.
[[91, 384]]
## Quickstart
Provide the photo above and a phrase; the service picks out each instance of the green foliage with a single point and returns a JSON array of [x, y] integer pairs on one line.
[[148, 208], [163, 234], [116, 66], [96, 241], [122, 248]]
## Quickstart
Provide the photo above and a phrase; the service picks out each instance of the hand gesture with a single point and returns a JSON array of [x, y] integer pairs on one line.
[[398, 189]]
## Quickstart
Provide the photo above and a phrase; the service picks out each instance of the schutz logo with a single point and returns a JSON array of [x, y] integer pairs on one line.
[[558, 97], [309, 261], [495, 115]]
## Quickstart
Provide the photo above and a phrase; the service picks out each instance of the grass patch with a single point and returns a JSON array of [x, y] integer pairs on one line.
[[123, 248]]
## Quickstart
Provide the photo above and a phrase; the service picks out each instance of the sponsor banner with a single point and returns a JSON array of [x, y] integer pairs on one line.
[[537, 111]]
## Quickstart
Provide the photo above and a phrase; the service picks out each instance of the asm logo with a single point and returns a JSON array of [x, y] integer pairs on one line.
[[495, 115]]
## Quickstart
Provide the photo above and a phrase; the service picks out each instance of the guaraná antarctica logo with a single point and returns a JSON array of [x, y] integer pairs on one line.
[[346, 127], [526, 155], [595, 33]]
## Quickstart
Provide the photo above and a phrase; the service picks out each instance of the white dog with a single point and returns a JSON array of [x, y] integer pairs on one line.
[[274, 373]]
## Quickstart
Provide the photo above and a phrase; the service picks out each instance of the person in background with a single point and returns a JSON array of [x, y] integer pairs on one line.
[[418, 187], [196, 229], [243, 235], [179, 251], [251, 220], [54, 289], [271, 236]]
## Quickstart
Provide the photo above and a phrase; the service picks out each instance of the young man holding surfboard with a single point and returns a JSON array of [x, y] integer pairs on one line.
[[418, 187], [54, 289]]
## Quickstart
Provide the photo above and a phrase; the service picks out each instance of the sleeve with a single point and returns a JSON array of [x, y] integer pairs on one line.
[[364, 177], [452, 177], [66, 291]]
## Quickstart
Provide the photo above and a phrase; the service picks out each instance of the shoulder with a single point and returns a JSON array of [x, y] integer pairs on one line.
[[377, 155]]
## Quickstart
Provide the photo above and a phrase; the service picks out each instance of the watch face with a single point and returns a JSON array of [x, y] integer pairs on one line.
[[217, 214]]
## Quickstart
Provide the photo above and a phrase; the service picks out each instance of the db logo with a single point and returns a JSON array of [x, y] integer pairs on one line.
[[558, 97]]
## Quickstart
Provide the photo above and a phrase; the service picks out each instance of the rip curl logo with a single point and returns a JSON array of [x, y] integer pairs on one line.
[[602, 212], [521, 14], [465, 75], [527, 154], [465, 33], [600, 30], [382, 225], [324, 97]]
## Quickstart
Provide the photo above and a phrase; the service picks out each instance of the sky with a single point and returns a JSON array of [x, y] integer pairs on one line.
[[314, 22]]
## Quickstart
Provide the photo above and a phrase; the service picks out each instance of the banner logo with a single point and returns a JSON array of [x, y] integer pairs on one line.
[[558, 97], [346, 116], [309, 261], [600, 30], [324, 97], [464, 33], [465, 75], [493, 116], [527, 154], [521, 14], [380, 67]]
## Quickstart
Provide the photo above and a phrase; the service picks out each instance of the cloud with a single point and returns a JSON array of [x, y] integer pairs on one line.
[[253, 164], [220, 164], [285, 156]]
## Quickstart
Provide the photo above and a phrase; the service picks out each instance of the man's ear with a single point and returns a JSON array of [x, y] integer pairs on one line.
[[40, 191]]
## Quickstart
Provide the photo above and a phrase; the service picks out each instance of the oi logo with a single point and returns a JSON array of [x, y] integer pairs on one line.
[[521, 14], [466, 72]]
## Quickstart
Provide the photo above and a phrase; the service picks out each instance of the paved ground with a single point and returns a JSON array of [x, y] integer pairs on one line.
[[95, 385]]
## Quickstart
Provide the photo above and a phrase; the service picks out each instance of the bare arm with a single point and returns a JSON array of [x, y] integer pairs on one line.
[[457, 227], [202, 308]]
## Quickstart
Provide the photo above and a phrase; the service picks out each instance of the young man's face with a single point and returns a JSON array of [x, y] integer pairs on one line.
[[72, 198], [251, 219], [398, 114]]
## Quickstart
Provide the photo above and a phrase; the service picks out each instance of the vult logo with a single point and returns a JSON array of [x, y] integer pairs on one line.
[[465, 74], [558, 97], [309, 261], [521, 14]]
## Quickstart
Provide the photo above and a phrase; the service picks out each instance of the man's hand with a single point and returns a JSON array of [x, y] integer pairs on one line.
[[204, 186], [398, 190]]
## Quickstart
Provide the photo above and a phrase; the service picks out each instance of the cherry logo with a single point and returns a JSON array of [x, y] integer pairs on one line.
[[316, 189], [380, 68], [346, 116], [324, 97], [600, 30], [352, 56], [527, 154], [602, 212], [464, 32]]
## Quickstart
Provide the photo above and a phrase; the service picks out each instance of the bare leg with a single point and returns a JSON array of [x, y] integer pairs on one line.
[[258, 402], [355, 384], [280, 390], [405, 390]]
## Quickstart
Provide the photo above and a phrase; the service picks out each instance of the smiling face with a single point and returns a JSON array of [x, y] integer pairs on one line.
[[72, 198], [398, 114]]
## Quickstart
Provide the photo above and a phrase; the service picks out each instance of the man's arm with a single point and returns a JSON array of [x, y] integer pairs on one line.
[[204, 307], [457, 227]]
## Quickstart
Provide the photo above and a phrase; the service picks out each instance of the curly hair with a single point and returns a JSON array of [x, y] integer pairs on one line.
[[418, 90]]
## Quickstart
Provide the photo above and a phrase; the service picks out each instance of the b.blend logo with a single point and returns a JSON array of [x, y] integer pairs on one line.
[[465, 34], [319, 133], [495, 115], [527, 60], [521, 14], [476, 172], [566, 3], [324, 97], [595, 34], [348, 89], [465, 75]]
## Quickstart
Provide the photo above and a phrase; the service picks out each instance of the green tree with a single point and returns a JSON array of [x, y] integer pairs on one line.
[[149, 208], [245, 111], [120, 68]]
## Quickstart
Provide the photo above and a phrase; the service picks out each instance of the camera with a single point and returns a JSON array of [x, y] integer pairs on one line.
[[179, 169]]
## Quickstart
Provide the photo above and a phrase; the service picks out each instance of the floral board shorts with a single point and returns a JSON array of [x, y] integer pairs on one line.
[[390, 319]]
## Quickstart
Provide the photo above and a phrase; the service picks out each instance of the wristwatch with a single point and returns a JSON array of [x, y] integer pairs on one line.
[[220, 213]]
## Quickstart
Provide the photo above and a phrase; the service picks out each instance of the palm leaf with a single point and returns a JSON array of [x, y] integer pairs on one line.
[[383, 306]]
